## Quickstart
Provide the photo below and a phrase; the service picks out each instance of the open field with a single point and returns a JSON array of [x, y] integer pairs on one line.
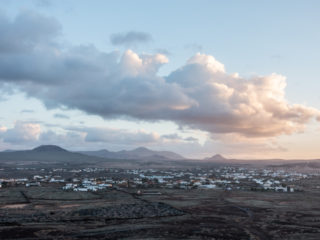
[[50, 213]]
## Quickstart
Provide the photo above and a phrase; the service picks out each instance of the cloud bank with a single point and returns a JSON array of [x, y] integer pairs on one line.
[[32, 134], [200, 95]]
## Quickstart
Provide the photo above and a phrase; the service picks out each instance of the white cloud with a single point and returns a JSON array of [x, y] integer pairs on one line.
[[28, 135], [20, 133], [2, 129], [200, 94]]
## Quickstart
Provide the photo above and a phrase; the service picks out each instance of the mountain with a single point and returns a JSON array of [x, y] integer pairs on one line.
[[55, 156], [140, 153], [216, 157], [46, 154], [49, 148]]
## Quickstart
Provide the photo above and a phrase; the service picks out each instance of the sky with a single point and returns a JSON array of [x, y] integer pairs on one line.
[[238, 78]]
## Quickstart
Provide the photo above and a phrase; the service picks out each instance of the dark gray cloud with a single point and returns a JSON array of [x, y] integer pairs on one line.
[[200, 94], [27, 32], [130, 38]]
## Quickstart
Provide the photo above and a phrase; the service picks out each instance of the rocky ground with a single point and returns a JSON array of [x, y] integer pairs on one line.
[[50, 213]]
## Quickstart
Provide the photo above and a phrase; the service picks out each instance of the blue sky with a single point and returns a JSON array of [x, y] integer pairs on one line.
[[251, 38]]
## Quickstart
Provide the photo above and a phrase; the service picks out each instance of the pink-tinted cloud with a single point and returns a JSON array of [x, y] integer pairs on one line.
[[20, 133], [199, 95]]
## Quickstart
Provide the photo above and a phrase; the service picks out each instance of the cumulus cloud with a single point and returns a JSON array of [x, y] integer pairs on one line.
[[130, 38], [32, 134], [20, 133], [92, 138], [127, 137], [67, 139], [227, 103], [199, 95], [2, 129], [27, 32], [163, 51]]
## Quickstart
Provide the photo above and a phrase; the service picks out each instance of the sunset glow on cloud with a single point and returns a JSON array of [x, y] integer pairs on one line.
[[200, 96]]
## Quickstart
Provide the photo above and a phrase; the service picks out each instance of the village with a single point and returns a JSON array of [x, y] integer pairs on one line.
[[140, 180]]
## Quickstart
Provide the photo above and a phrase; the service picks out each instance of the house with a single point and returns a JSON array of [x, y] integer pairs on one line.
[[207, 186], [33, 184], [281, 189], [80, 189]]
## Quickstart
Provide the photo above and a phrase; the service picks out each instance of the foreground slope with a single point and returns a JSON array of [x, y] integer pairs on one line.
[[27, 214]]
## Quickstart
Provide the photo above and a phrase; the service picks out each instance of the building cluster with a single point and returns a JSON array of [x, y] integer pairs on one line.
[[226, 178], [87, 185]]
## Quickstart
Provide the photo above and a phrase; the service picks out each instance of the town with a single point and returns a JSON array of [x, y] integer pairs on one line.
[[96, 179]]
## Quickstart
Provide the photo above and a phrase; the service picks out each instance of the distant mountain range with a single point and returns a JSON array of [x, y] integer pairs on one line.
[[51, 155], [46, 154], [141, 153], [216, 157]]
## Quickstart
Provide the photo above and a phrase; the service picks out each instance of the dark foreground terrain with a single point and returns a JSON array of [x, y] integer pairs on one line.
[[51, 213]]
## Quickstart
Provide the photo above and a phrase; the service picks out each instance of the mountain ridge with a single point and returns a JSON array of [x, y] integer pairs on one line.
[[49, 148], [137, 153], [46, 154], [139, 157]]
